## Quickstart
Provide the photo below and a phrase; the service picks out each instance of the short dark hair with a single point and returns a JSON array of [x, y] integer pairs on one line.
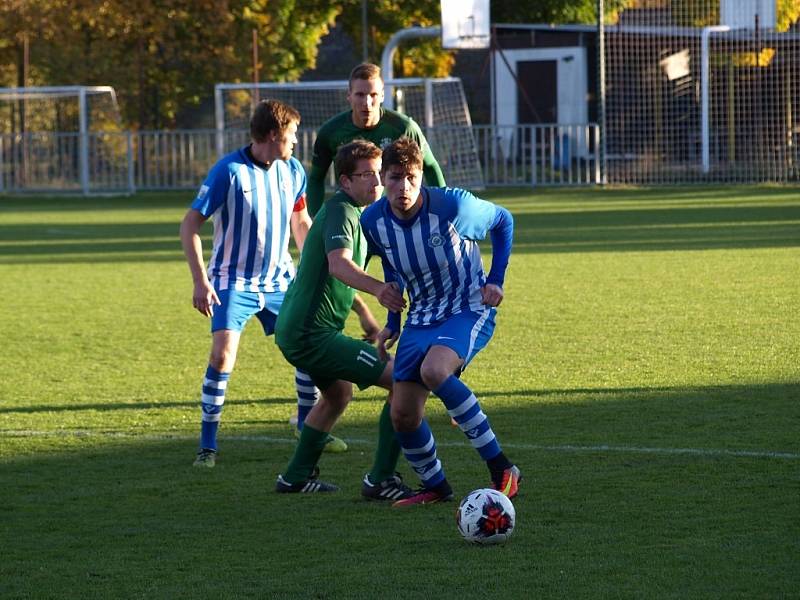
[[348, 155], [365, 71], [404, 152], [271, 115]]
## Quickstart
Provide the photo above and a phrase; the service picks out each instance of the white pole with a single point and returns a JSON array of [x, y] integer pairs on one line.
[[83, 141], [428, 104], [219, 114], [131, 174], [704, 92], [387, 69]]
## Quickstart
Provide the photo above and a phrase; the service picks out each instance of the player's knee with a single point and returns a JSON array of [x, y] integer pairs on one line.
[[433, 374], [404, 420], [222, 359], [335, 399], [338, 403]]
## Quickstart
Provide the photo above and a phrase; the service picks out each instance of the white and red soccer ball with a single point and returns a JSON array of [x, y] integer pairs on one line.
[[486, 516]]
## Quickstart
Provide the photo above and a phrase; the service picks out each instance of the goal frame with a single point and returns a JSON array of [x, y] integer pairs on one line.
[[427, 119], [81, 93]]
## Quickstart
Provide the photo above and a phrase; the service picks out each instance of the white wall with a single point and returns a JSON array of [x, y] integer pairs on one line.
[[572, 92]]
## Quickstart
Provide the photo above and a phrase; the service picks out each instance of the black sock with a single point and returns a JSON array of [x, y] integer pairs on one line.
[[497, 465], [443, 489]]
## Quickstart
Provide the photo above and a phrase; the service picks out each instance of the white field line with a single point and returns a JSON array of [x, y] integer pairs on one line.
[[599, 448]]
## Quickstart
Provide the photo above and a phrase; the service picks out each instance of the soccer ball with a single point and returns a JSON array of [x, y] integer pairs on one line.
[[486, 516]]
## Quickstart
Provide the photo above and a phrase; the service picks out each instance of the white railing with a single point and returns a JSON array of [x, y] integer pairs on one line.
[[531, 155], [123, 162]]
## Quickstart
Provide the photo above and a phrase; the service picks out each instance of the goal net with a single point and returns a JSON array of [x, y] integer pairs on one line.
[[439, 106], [62, 138], [703, 90]]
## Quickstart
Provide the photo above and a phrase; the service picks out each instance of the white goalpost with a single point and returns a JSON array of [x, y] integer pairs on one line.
[[707, 90], [63, 138], [438, 105]]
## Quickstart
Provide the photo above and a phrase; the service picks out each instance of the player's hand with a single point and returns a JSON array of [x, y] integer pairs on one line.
[[370, 327], [391, 297], [205, 298], [386, 339], [491, 294]]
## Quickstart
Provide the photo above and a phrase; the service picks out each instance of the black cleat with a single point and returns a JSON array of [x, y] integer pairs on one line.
[[392, 488]]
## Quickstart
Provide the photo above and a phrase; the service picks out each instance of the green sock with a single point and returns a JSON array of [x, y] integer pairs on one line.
[[388, 450], [306, 454]]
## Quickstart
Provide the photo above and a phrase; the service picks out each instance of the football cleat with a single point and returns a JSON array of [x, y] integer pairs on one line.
[[392, 488], [205, 458], [442, 493], [333, 444], [510, 482], [312, 485]]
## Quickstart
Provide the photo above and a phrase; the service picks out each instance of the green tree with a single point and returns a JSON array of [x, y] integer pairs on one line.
[[164, 56], [426, 57]]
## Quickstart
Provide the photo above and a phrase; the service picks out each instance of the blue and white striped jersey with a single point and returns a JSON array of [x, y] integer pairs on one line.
[[252, 208], [435, 255]]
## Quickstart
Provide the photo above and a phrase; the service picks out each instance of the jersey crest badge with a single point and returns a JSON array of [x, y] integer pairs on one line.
[[436, 240]]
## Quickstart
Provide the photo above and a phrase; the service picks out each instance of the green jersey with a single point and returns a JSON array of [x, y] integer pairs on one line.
[[340, 130], [317, 302]]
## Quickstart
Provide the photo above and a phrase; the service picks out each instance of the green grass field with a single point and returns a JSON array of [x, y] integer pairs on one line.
[[645, 374]]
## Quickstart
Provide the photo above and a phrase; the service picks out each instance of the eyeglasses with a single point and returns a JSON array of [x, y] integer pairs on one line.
[[364, 175]]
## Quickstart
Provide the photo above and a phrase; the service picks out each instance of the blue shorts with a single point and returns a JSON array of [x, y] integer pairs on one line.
[[237, 308], [465, 333]]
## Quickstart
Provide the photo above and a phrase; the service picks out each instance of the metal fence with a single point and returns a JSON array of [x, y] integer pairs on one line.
[[124, 162]]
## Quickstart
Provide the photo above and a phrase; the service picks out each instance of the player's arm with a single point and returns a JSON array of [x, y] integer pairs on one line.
[[474, 219], [430, 167], [341, 266], [501, 232], [204, 297], [300, 223], [320, 161], [368, 323], [391, 332]]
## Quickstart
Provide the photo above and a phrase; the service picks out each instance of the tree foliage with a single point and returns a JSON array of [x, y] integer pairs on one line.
[[164, 56], [424, 57], [160, 56]]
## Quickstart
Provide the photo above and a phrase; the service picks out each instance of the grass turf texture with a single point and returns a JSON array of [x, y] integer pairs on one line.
[[644, 375]]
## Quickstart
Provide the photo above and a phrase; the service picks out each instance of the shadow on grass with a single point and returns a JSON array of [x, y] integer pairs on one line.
[[645, 227], [654, 229], [120, 406], [762, 417], [81, 514]]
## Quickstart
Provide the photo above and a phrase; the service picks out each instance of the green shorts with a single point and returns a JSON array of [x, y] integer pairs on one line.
[[333, 356]]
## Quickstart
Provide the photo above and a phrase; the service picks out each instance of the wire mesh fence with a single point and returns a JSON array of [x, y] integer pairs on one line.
[[706, 90], [123, 162]]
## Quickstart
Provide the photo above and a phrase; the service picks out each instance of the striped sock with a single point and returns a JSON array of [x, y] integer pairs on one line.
[[211, 402], [307, 396], [463, 406], [419, 449]]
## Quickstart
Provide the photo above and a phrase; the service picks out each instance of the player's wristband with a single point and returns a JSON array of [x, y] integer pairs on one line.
[[393, 321]]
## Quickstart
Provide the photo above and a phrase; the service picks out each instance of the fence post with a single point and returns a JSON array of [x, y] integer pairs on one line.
[[534, 175], [131, 179], [83, 143], [601, 148], [219, 121]]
